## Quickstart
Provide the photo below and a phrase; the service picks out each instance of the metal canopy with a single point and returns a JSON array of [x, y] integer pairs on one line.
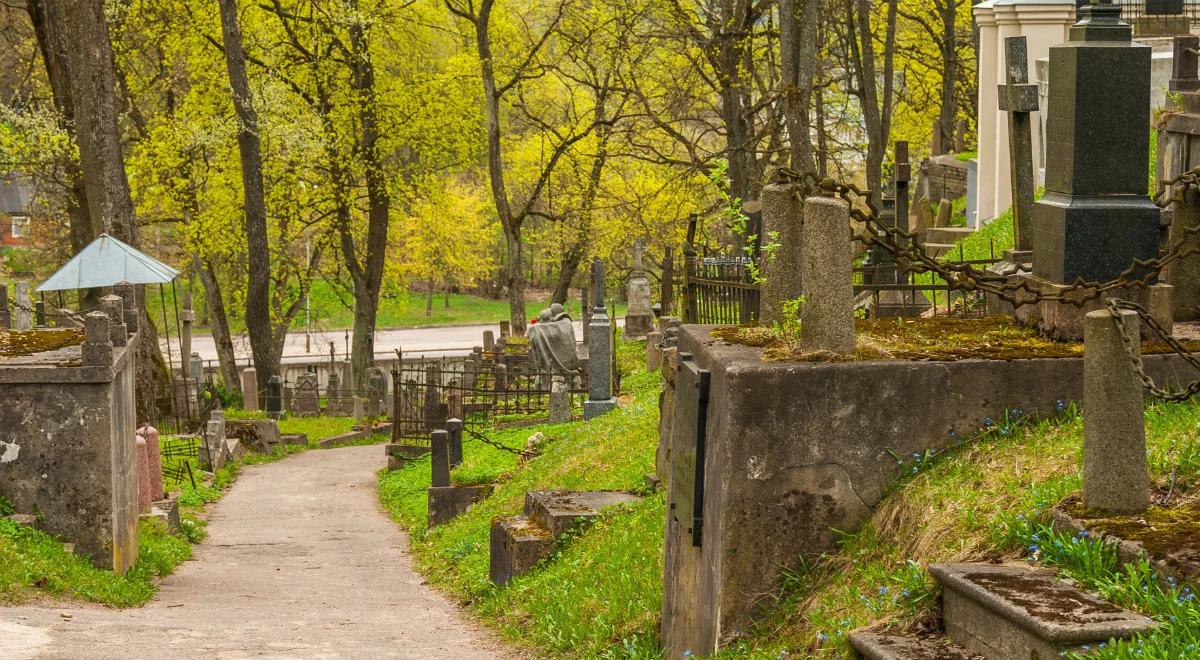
[[109, 262]]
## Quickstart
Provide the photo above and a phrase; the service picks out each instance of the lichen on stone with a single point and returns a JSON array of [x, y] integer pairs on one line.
[[17, 343]]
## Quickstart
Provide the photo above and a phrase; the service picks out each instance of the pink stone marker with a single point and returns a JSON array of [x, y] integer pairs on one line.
[[154, 450], [143, 462]]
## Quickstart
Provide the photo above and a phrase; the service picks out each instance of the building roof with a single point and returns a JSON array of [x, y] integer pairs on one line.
[[16, 195]]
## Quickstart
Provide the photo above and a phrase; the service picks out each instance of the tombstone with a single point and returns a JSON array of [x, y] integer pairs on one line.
[[112, 306], [944, 213], [938, 139], [600, 352], [5, 314], [654, 351], [639, 318], [1185, 74], [335, 401], [893, 303], [249, 389], [439, 443], [197, 367], [1019, 99], [454, 400], [1115, 476], [1096, 218], [489, 344], [586, 306], [213, 450], [39, 314], [667, 297], [359, 408], [307, 397], [782, 215], [274, 401], [454, 426], [376, 391], [1179, 132], [24, 316], [560, 400], [289, 398], [827, 317], [154, 451], [435, 413], [922, 215], [505, 329]]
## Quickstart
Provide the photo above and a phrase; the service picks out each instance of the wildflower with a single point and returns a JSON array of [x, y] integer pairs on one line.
[[823, 637], [883, 591], [1060, 406]]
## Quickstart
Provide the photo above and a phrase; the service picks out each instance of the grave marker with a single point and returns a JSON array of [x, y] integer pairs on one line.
[[1019, 98], [5, 314], [249, 389], [560, 400], [639, 318], [1185, 73], [439, 443], [24, 316], [600, 352]]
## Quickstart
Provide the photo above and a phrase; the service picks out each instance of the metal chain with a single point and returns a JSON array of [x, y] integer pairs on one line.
[[910, 254], [64, 312], [1139, 368], [488, 441]]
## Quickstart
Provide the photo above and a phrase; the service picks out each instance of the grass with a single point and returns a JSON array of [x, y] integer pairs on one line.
[[331, 312], [601, 594], [986, 499]]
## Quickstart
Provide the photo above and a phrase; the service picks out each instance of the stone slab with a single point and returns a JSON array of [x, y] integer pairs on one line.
[[1015, 612], [261, 435], [517, 545], [449, 502], [876, 646], [593, 408], [349, 436], [560, 510]]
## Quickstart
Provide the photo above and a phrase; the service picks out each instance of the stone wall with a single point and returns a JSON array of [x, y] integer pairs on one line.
[[794, 450], [942, 177], [68, 452]]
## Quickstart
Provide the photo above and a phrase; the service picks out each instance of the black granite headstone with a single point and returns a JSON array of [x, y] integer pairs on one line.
[[1096, 217]]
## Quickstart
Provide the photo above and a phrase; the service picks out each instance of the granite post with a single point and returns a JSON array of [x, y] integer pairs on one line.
[[600, 352], [97, 347], [783, 223], [113, 308], [827, 316], [274, 401], [1115, 476], [439, 444], [186, 317], [154, 451], [560, 400], [454, 427], [249, 389], [145, 497], [24, 316]]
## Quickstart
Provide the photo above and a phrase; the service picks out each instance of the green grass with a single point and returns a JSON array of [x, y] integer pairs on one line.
[[987, 498], [601, 594], [330, 312]]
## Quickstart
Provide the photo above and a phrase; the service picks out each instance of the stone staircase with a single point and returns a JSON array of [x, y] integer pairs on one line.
[[940, 240], [518, 543], [1007, 612]]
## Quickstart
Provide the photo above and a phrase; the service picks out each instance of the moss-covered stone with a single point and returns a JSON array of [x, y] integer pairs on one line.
[[14, 343]]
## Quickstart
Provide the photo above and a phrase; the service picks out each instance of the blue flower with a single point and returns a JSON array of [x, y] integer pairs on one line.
[[883, 591], [823, 637], [1060, 405]]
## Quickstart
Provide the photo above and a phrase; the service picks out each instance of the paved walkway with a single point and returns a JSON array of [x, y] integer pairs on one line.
[[300, 562]]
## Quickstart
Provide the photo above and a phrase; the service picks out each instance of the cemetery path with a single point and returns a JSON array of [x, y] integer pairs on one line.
[[300, 562]]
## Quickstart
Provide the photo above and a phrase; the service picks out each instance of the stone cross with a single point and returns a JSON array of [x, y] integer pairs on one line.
[[1185, 73], [186, 317], [24, 308], [902, 172], [598, 287], [1019, 98], [5, 315], [638, 249]]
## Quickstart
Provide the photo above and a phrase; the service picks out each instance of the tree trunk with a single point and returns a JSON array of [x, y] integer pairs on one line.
[[949, 72], [258, 256], [219, 320], [876, 105], [570, 266], [798, 51], [429, 298], [446, 296]]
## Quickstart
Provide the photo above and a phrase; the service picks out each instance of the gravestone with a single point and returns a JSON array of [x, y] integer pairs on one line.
[[376, 391], [654, 351], [307, 397], [505, 329], [249, 389], [186, 317], [1185, 72], [274, 402], [1178, 142], [1115, 476], [944, 213], [454, 426], [639, 319], [336, 401], [1019, 98], [893, 303], [600, 352], [5, 314], [435, 411], [489, 344], [197, 367], [24, 314], [560, 400], [922, 215], [1096, 218], [586, 306]]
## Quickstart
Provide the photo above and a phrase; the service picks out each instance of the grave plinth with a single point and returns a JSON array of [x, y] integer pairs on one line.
[[770, 461], [67, 440]]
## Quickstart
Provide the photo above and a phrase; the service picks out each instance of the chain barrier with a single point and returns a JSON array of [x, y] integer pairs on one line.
[[910, 254], [1115, 306], [488, 441], [78, 318]]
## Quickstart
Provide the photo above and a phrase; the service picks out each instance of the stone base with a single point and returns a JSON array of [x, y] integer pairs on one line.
[[637, 326], [874, 646], [1181, 564], [900, 304], [295, 439], [517, 545], [559, 511], [595, 408], [1064, 321], [987, 609], [166, 513], [261, 435], [399, 454], [449, 502]]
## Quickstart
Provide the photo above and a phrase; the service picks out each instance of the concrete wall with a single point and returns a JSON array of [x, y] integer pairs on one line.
[[69, 452], [796, 450]]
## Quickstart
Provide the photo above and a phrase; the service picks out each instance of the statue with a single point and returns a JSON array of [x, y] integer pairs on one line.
[[552, 344]]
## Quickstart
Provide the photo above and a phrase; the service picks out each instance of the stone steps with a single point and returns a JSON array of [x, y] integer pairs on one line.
[[518, 543], [1007, 612]]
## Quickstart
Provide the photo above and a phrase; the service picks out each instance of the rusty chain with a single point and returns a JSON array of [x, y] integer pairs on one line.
[[910, 254], [1115, 306]]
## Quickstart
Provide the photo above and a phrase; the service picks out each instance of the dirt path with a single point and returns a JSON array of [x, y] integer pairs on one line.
[[300, 562]]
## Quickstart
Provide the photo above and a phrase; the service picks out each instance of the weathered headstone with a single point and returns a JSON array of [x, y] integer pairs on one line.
[[1019, 98], [827, 316], [307, 397], [586, 307], [560, 400], [1096, 217], [654, 351], [505, 329], [639, 318], [435, 410], [197, 367], [489, 344], [1185, 72], [274, 400], [600, 352], [454, 426], [1115, 476], [944, 213], [376, 391], [922, 214], [782, 223], [336, 402], [249, 389], [24, 315]]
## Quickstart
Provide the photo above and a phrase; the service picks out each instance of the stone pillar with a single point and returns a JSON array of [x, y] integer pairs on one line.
[[439, 444], [560, 400], [454, 427], [783, 222], [129, 297], [249, 389], [113, 307], [600, 353], [505, 329], [1115, 475], [827, 316], [489, 343], [145, 497], [5, 314], [197, 367], [654, 351], [97, 344], [154, 451], [24, 315], [1184, 274], [587, 309], [274, 402]]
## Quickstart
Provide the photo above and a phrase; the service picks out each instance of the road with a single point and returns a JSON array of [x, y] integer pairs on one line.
[[300, 562]]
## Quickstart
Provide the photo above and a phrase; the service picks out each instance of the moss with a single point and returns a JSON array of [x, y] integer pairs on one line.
[[27, 342], [1163, 531], [928, 339]]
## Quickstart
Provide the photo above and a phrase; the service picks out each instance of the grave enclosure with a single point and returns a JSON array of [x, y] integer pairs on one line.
[[765, 459]]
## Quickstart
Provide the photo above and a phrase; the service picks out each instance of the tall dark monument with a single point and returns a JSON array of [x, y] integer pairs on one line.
[[1096, 216]]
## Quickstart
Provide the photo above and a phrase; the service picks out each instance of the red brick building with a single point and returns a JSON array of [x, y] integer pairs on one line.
[[15, 201]]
